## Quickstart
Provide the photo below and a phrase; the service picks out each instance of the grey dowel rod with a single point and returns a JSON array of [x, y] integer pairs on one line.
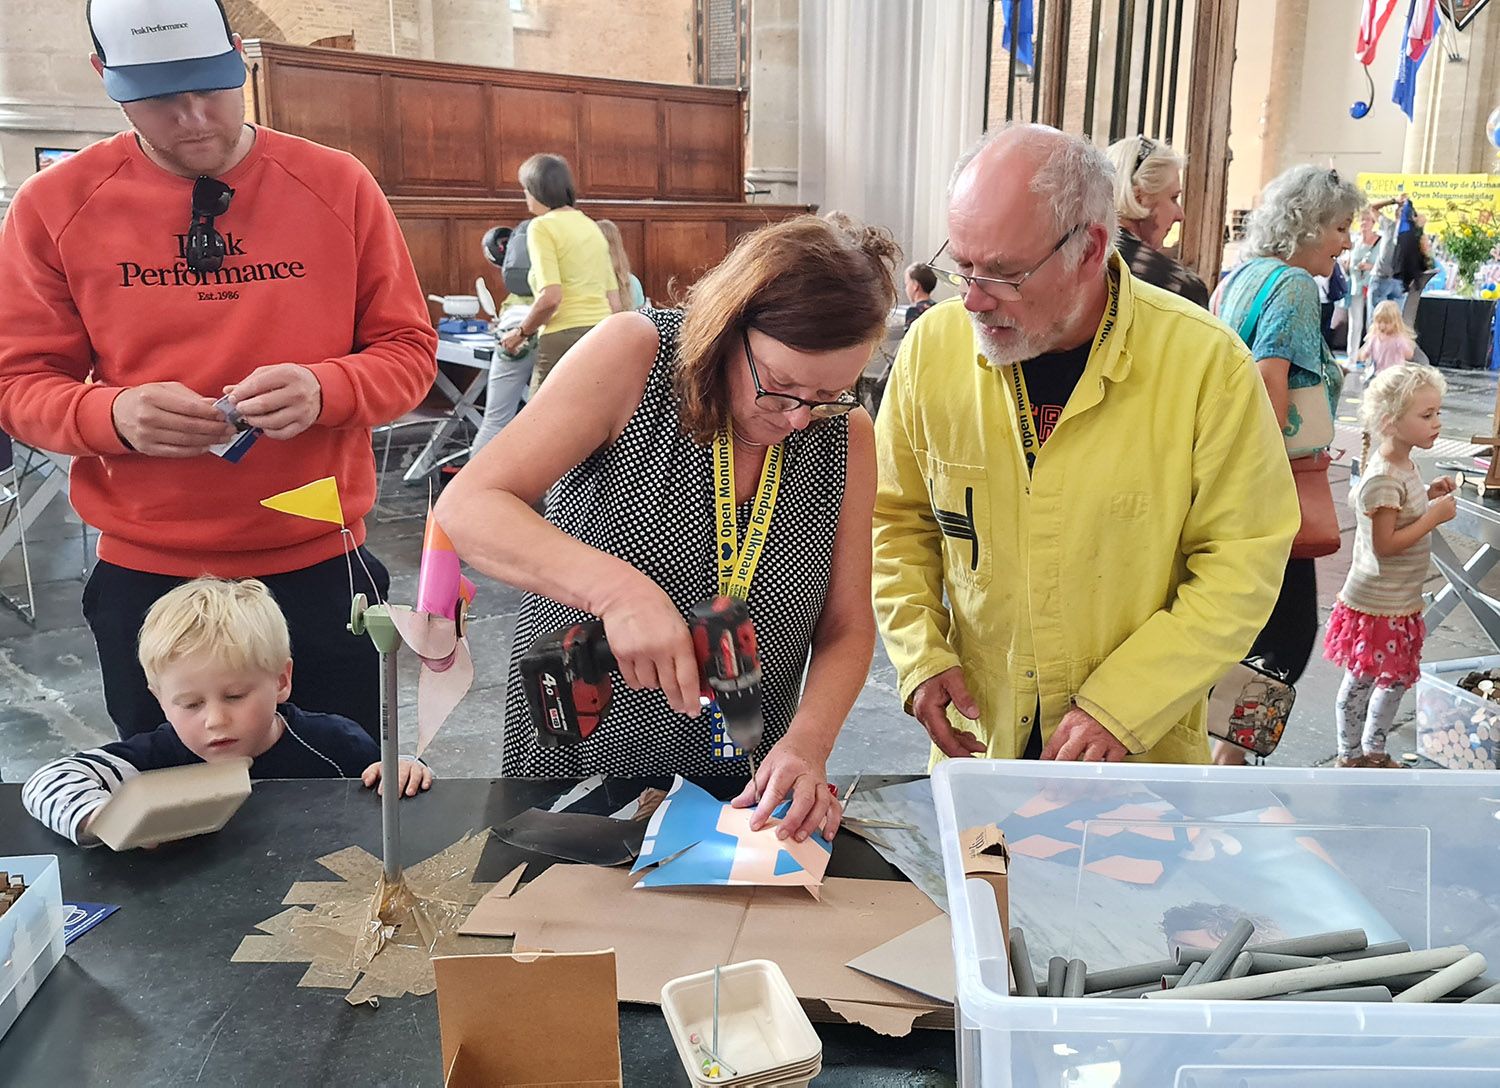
[[1137, 974], [1129, 991], [1218, 964], [1020, 964], [1407, 980], [1240, 967], [1194, 969], [1073, 978], [1318, 944], [1324, 976], [1347, 993], [1485, 997], [1057, 969], [1445, 981], [1385, 948], [1263, 963]]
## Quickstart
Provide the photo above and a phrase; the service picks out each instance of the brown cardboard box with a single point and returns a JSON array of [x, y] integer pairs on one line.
[[531, 1020], [986, 857]]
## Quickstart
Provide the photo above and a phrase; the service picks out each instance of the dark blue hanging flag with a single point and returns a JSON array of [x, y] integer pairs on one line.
[[1020, 11], [1422, 21]]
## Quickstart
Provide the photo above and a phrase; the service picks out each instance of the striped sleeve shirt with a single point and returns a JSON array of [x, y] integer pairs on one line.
[[66, 792]]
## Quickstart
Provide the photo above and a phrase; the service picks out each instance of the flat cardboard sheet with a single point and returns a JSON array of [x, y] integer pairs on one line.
[[332, 925], [534, 1019], [173, 803], [920, 959], [667, 933]]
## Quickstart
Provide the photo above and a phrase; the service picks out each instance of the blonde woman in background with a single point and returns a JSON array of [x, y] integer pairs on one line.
[[631, 295], [1148, 198]]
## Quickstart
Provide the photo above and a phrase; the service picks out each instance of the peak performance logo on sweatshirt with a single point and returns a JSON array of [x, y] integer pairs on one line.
[[234, 272]]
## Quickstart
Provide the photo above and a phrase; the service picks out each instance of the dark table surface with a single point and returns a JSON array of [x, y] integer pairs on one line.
[[1454, 331], [150, 996]]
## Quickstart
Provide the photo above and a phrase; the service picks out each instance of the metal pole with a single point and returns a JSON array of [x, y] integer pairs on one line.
[[1161, 69], [1120, 95], [1140, 124], [1092, 86], [989, 59], [1038, 44], [1176, 66], [1015, 44], [390, 767]]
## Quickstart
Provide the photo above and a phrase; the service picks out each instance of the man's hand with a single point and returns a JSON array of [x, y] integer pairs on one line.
[[167, 419], [283, 399], [929, 705], [1079, 738]]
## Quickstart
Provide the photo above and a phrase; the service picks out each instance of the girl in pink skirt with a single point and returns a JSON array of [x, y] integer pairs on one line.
[[1376, 628]]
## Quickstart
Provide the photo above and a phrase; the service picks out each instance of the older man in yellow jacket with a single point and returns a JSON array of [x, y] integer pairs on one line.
[[1084, 506]]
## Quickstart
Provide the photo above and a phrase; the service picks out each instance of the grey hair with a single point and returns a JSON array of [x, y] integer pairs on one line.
[[1295, 208], [1160, 167], [1075, 177]]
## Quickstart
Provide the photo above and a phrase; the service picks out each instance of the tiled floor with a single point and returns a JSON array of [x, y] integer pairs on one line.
[[51, 701]]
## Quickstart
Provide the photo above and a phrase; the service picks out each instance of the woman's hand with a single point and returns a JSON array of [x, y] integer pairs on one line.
[[793, 770], [652, 645], [513, 340]]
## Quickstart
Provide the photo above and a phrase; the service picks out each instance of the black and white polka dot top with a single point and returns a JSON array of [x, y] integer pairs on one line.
[[648, 499]]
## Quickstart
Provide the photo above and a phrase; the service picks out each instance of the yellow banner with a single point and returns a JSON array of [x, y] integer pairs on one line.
[[1442, 198]]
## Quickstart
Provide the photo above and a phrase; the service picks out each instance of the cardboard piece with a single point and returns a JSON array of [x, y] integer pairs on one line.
[[681, 931], [533, 1020], [920, 959], [172, 803], [575, 836], [694, 838], [986, 857], [343, 939]]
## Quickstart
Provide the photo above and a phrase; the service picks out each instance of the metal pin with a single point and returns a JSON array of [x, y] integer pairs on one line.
[[716, 1009]]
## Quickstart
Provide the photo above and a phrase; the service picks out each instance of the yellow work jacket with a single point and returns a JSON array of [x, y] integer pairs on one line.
[[1129, 572]]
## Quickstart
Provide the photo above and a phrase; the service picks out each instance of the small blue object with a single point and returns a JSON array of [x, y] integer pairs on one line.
[[462, 326], [79, 918], [1492, 127], [786, 865]]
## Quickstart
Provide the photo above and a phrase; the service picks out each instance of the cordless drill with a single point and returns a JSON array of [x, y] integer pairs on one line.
[[566, 675]]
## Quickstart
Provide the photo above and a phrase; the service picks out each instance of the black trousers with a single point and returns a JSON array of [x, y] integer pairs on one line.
[[334, 673], [1287, 640]]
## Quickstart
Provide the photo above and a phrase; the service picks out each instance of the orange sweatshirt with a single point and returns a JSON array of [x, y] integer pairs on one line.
[[95, 297]]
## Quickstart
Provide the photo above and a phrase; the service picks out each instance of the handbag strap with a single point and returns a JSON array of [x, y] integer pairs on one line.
[[1252, 318]]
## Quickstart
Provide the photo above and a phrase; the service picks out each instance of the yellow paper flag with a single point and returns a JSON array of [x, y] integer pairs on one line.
[[318, 500]]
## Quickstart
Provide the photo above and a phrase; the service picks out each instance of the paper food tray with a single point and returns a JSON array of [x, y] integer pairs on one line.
[[173, 803]]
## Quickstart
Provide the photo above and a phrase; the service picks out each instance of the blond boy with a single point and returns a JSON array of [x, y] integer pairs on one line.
[[217, 657]]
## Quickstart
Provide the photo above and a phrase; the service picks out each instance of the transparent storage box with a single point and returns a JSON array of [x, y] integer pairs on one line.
[[31, 934], [1457, 728], [1114, 864]]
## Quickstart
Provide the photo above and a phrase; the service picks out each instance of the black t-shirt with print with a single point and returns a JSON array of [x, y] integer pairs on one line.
[[1050, 381]]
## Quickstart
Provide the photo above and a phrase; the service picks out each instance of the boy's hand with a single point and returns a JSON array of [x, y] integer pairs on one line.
[[415, 777]]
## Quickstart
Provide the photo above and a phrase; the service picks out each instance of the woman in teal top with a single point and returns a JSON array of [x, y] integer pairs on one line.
[[1298, 231]]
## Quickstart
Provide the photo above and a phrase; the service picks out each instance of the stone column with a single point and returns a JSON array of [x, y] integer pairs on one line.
[[1454, 99], [1284, 100], [771, 149], [49, 96]]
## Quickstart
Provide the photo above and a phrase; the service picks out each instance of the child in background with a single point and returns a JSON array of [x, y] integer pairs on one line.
[[1376, 629], [1389, 342], [217, 657]]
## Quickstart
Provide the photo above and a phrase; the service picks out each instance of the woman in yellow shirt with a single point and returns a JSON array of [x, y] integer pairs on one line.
[[572, 279]]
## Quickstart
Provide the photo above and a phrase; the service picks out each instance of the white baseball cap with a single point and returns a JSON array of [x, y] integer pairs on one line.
[[152, 48]]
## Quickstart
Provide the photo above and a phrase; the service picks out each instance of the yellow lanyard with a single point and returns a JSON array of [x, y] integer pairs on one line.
[[737, 561], [1031, 440]]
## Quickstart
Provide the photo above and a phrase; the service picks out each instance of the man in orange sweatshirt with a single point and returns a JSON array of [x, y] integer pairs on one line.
[[197, 256]]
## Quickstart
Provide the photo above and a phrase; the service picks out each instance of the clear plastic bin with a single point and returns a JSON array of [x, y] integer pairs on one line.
[[1106, 860], [31, 934], [1457, 728]]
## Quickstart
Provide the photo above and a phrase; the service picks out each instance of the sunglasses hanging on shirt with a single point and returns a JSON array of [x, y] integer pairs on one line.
[[205, 245]]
